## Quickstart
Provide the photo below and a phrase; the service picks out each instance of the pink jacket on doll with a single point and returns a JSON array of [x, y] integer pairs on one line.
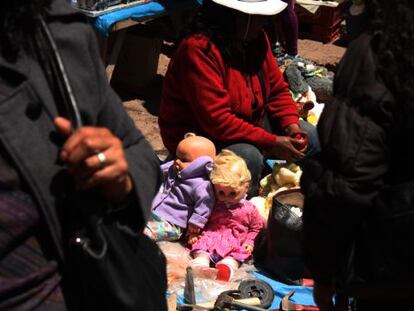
[[228, 229]]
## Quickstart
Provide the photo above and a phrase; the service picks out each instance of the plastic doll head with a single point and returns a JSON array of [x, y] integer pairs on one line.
[[191, 148], [230, 177]]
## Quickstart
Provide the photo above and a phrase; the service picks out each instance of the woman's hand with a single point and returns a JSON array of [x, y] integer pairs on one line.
[[286, 148], [301, 137], [96, 159], [293, 128]]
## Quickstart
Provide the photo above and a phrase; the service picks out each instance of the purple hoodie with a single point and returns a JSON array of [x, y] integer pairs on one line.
[[186, 197]]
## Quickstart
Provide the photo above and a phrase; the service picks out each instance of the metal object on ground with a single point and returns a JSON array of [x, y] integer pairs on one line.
[[252, 295], [238, 303], [226, 301], [286, 304], [189, 291], [259, 289], [190, 307]]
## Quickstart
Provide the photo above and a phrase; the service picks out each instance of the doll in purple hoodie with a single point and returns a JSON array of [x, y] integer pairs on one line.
[[186, 197]]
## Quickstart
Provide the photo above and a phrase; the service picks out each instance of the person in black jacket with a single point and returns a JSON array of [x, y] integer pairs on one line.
[[50, 170], [359, 191]]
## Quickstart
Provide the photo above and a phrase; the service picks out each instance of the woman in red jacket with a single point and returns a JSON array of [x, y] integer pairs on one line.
[[223, 82]]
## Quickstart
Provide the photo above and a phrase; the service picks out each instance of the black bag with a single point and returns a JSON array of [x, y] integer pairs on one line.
[[281, 245], [115, 267], [109, 263]]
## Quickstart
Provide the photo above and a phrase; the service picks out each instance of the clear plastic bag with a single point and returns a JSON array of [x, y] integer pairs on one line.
[[206, 287], [178, 259]]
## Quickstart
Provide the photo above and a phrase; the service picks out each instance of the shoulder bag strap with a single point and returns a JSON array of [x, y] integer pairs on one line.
[[55, 72]]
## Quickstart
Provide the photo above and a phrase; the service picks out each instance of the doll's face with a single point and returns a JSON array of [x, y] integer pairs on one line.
[[228, 194], [183, 159], [192, 148]]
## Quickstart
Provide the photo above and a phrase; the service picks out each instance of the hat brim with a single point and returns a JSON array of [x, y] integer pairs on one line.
[[265, 7]]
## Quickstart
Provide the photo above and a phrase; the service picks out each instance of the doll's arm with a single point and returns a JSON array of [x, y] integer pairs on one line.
[[193, 229], [166, 167], [256, 224], [193, 237], [204, 200]]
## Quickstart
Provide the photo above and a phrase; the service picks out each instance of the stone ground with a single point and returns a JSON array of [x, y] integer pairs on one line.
[[144, 108]]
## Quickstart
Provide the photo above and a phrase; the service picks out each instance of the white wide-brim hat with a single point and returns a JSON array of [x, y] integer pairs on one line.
[[254, 7]]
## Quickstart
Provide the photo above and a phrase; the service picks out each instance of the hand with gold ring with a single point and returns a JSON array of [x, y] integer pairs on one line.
[[96, 159]]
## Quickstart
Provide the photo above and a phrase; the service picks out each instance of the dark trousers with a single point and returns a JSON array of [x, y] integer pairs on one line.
[[284, 28], [290, 27]]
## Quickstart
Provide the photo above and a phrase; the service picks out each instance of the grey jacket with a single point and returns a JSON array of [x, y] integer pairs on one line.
[[27, 110]]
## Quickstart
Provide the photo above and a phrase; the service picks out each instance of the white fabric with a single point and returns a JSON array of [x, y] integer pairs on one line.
[[254, 7], [200, 261]]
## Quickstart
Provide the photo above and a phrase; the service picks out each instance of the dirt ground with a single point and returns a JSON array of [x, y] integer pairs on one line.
[[144, 108]]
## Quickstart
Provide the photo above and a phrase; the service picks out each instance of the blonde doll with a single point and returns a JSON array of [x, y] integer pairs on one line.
[[227, 239]]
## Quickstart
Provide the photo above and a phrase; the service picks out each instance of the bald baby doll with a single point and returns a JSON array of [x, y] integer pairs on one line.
[[186, 196]]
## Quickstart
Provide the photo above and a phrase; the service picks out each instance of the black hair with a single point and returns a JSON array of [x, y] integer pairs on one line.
[[392, 27], [218, 23], [17, 20]]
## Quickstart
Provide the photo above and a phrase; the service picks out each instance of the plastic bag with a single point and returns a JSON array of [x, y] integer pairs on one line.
[[178, 259]]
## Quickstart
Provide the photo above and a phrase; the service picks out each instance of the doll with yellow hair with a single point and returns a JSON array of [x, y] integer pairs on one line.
[[227, 240]]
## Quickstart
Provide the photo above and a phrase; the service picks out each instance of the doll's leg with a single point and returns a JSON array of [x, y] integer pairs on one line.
[[201, 266], [161, 230], [226, 268]]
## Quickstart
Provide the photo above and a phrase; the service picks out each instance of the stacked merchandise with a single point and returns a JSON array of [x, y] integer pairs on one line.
[[321, 20], [97, 7]]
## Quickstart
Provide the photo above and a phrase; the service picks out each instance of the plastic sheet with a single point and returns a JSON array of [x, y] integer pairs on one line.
[[177, 261]]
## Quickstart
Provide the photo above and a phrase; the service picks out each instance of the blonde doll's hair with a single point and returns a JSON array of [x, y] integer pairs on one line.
[[229, 170]]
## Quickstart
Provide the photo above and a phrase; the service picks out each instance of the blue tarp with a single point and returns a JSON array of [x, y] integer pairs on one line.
[[302, 296], [103, 23]]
